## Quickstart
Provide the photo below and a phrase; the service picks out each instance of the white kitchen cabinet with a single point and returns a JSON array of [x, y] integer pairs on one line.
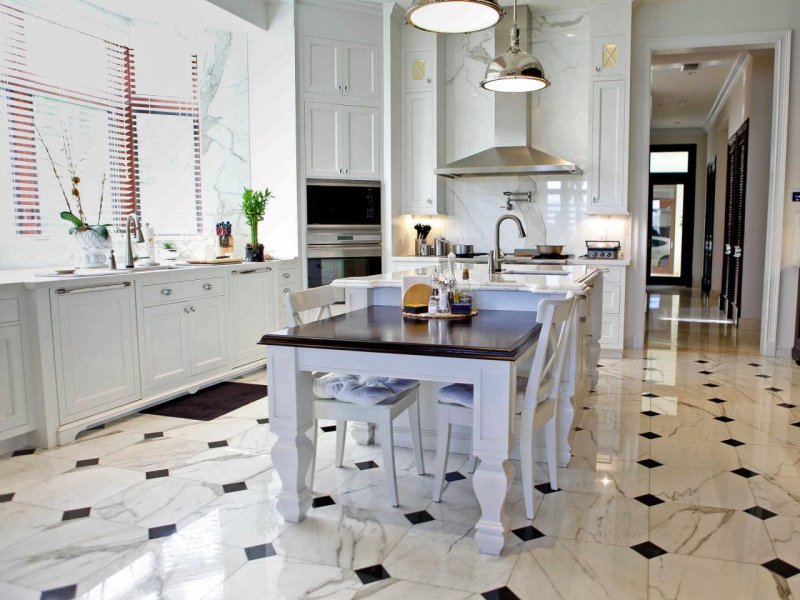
[[419, 71], [207, 343], [97, 364], [420, 195], [610, 56], [342, 141], [251, 312], [166, 338], [13, 399], [333, 67], [609, 185], [612, 339], [287, 279]]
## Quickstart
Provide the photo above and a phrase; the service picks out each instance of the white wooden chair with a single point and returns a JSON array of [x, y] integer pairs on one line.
[[382, 414], [537, 396]]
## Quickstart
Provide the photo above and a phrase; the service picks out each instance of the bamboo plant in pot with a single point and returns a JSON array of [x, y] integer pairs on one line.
[[254, 204]]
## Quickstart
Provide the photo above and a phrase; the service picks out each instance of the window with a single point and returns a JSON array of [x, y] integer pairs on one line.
[[669, 162], [139, 129]]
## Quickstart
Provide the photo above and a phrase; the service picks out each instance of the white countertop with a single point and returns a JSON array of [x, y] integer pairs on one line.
[[538, 278], [617, 262]]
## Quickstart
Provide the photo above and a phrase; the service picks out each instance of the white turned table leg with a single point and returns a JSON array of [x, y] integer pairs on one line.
[[492, 440], [564, 417], [291, 415]]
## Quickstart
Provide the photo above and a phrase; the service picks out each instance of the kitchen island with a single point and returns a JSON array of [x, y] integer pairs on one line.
[[488, 352]]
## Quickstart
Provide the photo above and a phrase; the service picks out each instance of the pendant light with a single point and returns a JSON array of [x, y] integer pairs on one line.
[[454, 16], [516, 70]]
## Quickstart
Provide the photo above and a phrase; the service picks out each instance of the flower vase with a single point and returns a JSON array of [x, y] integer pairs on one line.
[[254, 253], [93, 249]]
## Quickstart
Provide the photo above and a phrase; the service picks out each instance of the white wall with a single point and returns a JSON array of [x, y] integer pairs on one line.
[[681, 18]]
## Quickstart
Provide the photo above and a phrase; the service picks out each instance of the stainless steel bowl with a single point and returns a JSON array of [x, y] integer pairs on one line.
[[463, 249], [549, 250]]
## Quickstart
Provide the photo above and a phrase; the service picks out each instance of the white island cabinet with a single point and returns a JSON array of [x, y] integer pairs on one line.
[[79, 351]]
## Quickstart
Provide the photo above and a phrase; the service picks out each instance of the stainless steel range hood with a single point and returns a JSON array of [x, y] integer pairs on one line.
[[512, 153]]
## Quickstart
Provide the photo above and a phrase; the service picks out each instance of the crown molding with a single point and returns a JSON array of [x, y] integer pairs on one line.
[[736, 72], [367, 8]]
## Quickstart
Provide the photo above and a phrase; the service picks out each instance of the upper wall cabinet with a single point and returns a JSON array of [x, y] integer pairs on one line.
[[332, 67], [419, 71], [342, 141], [608, 193], [610, 55]]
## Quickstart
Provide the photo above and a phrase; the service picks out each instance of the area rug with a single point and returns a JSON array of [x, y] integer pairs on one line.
[[210, 403]]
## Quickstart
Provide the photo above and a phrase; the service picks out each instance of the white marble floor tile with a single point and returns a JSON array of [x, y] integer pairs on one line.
[[616, 478], [688, 427], [257, 438], [610, 445], [223, 465], [780, 495], [154, 454], [67, 554], [156, 502], [694, 453], [460, 505], [704, 487], [597, 419], [281, 578], [399, 589], [445, 554], [19, 521], [597, 518], [559, 569], [79, 488], [710, 532], [103, 442], [676, 577], [785, 535], [146, 423], [211, 431], [766, 434], [17, 592], [259, 409], [771, 461], [19, 472]]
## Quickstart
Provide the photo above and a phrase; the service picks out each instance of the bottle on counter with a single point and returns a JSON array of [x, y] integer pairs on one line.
[[463, 295]]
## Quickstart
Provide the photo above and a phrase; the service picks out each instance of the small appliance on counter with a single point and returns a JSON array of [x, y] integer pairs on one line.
[[603, 249]]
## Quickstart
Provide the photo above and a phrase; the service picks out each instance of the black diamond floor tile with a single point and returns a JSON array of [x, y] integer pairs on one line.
[[649, 395], [733, 442], [262, 421], [503, 593], [87, 462], [260, 551], [526, 534], [761, 513], [763, 375], [219, 444], [153, 435], [157, 474], [705, 372], [723, 419], [6, 497], [369, 464], [649, 463], [68, 592], [650, 435], [782, 568], [454, 476], [787, 405], [650, 413], [774, 389], [76, 513], [419, 517], [649, 550], [746, 473], [163, 531], [545, 488], [717, 400], [579, 429], [372, 574], [649, 500], [701, 361], [238, 486], [600, 366], [322, 501], [796, 424], [753, 365], [711, 385], [23, 452], [328, 428]]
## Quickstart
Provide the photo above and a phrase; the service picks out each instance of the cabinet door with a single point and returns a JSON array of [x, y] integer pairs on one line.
[[322, 66], [418, 71], [361, 66], [361, 143], [207, 334], [251, 313], [166, 341], [13, 402], [610, 55], [608, 147], [324, 134], [97, 351], [419, 139]]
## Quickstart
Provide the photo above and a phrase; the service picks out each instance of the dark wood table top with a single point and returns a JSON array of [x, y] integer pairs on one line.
[[490, 335]]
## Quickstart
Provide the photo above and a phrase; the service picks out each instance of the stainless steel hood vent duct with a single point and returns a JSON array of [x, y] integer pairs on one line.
[[512, 153]]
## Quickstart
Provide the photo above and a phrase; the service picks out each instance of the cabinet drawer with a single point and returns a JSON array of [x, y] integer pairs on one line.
[[611, 334], [281, 289], [612, 299], [9, 310], [175, 291], [287, 276], [613, 276], [211, 286]]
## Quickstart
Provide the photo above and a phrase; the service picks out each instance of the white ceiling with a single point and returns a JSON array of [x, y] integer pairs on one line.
[[684, 99]]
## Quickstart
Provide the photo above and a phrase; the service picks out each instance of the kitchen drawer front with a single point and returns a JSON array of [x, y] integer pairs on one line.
[[611, 332], [612, 299], [211, 286], [176, 291], [613, 276], [9, 310]]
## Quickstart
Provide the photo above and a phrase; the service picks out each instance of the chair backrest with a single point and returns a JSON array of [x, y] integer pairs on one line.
[[320, 298], [548, 360]]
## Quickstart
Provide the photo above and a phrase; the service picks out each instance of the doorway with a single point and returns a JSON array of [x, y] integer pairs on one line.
[[671, 214]]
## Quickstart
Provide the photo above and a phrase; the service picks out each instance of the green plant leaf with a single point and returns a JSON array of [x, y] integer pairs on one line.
[[100, 230], [68, 216]]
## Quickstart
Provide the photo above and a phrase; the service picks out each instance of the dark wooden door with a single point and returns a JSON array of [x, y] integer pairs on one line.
[[735, 201], [708, 237]]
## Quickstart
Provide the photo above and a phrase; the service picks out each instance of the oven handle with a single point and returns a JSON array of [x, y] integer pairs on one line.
[[343, 251]]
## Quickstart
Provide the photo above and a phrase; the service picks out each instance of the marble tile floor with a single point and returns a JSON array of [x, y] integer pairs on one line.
[[685, 484]]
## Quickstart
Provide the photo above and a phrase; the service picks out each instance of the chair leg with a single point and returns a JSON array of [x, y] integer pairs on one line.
[[314, 436], [416, 435], [387, 446], [526, 460], [472, 462], [442, 448], [341, 435], [552, 454]]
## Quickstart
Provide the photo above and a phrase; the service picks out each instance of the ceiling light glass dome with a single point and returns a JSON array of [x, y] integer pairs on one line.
[[454, 16]]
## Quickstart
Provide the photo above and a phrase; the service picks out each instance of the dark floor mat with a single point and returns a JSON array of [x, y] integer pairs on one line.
[[210, 403]]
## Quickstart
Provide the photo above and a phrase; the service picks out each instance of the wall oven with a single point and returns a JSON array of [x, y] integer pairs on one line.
[[343, 230]]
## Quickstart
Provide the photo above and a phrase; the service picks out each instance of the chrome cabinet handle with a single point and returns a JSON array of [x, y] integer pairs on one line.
[[192, 309], [287, 275], [595, 200], [340, 88], [166, 292], [598, 69], [430, 201], [345, 88], [286, 290], [95, 288], [186, 309], [428, 80], [208, 287]]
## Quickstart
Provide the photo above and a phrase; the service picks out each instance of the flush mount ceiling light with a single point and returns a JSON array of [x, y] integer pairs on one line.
[[454, 16], [516, 70]]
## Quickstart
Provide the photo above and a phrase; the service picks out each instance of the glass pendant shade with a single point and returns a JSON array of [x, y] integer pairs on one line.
[[454, 16]]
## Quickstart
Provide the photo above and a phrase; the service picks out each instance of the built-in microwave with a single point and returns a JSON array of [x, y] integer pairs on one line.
[[332, 202]]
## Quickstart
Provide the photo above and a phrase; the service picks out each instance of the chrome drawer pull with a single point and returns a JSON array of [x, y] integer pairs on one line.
[[166, 292], [208, 287], [287, 275], [96, 288], [286, 290]]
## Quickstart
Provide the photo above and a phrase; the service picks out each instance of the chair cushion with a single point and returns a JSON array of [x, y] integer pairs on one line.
[[462, 393], [366, 391]]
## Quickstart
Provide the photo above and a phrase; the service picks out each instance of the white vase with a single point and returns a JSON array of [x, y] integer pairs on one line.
[[93, 249]]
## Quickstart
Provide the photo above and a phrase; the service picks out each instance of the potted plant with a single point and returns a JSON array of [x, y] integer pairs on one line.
[[169, 251], [254, 204], [94, 240]]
